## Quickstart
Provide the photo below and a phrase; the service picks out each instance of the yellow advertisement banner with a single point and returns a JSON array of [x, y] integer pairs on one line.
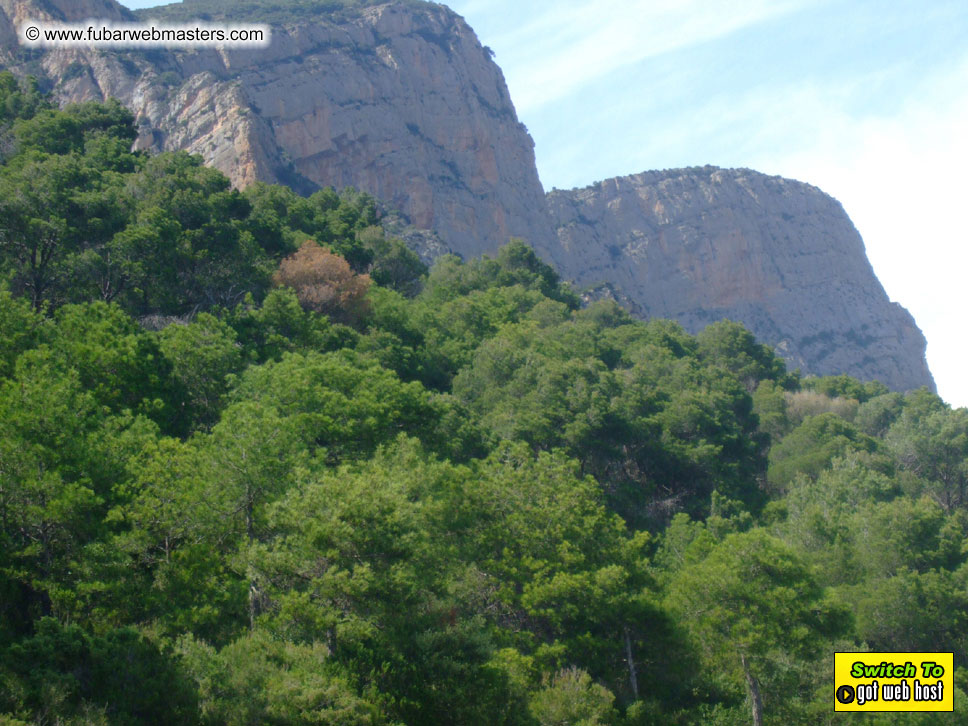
[[893, 681]]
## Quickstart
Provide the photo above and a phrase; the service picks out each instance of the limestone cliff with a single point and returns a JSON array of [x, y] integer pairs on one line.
[[698, 245], [400, 99], [396, 98]]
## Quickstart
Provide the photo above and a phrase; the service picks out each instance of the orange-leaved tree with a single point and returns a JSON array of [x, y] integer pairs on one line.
[[324, 283]]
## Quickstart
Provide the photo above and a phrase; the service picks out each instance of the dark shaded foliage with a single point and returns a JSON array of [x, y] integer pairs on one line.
[[380, 494]]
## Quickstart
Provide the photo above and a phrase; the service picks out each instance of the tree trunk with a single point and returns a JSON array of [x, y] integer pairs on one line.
[[753, 687], [633, 677], [255, 596]]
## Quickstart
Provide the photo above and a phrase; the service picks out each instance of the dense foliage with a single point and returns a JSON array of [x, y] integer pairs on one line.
[[369, 493]]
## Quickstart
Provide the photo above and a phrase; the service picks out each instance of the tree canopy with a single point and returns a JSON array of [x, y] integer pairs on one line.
[[258, 464]]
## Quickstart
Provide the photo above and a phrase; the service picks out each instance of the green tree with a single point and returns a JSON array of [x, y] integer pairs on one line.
[[260, 679], [19, 99], [733, 347], [394, 265], [73, 128], [364, 564], [280, 325], [61, 671], [843, 386], [174, 532], [22, 329], [810, 448], [657, 428], [62, 202], [770, 407], [558, 561], [572, 699], [516, 264], [211, 258], [875, 416], [202, 354], [116, 360], [821, 516], [49, 506], [251, 454], [905, 533], [749, 601], [934, 446], [63, 459], [37, 238], [912, 612], [346, 405]]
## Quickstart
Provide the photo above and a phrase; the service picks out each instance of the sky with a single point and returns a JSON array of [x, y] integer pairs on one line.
[[866, 99]]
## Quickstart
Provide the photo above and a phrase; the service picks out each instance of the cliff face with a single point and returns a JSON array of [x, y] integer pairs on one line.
[[782, 257], [400, 100]]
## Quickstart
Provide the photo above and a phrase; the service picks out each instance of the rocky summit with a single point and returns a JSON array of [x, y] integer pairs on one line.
[[699, 245], [401, 100], [397, 99]]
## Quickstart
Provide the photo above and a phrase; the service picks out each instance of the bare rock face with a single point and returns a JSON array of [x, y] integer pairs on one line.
[[699, 245], [399, 99], [396, 99]]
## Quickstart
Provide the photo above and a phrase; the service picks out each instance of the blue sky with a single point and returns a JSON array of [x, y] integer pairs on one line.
[[867, 100]]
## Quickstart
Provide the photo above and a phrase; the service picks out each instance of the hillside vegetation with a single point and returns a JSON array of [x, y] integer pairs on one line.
[[259, 465]]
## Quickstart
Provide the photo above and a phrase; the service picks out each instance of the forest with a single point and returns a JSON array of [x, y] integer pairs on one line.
[[260, 465]]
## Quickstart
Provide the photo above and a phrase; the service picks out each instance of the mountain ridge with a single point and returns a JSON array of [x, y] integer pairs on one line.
[[401, 100], [704, 243]]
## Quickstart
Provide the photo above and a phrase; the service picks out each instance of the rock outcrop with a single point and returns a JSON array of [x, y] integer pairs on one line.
[[397, 98], [400, 99], [703, 244]]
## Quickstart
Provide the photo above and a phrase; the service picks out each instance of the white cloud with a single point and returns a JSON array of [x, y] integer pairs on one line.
[[902, 181], [570, 44], [899, 175], [898, 172]]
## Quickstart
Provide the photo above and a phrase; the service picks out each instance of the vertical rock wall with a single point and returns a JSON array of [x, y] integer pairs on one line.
[[400, 99], [698, 245]]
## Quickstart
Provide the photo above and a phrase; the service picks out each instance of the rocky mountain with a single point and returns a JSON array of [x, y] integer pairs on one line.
[[401, 100], [396, 98], [699, 245]]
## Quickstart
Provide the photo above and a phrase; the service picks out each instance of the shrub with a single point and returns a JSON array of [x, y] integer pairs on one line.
[[324, 283]]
